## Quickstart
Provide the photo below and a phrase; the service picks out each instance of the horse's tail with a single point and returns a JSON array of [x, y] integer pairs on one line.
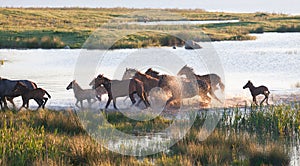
[[47, 94]]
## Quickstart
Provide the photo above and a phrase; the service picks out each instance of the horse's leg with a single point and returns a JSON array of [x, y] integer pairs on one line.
[[146, 101], [211, 92], [81, 104], [10, 99], [77, 103], [263, 101], [143, 98], [39, 101], [27, 104], [114, 103], [205, 97], [45, 101], [108, 102], [89, 103], [132, 98], [254, 100]]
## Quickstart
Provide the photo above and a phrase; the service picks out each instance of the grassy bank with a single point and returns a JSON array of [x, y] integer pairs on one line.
[[60, 27], [253, 137]]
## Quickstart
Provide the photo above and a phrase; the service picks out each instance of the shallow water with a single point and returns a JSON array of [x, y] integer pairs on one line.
[[272, 60]]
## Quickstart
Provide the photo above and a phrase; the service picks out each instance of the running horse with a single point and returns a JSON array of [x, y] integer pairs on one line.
[[28, 94], [255, 91], [7, 87], [121, 88], [212, 80], [202, 86], [82, 94]]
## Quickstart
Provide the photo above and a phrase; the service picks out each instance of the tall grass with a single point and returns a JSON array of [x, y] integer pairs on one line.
[[244, 136]]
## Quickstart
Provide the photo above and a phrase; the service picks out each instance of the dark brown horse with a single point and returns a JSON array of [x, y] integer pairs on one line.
[[153, 73], [28, 94], [121, 88], [148, 82], [255, 91], [6, 90]]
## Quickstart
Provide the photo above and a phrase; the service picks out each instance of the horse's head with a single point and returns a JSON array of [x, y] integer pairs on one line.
[[19, 88], [152, 73], [101, 80], [248, 85], [92, 83], [129, 73], [70, 86], [185, 70]]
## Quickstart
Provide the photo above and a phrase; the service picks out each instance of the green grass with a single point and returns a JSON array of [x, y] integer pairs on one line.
[[59, 27], [259, 137]]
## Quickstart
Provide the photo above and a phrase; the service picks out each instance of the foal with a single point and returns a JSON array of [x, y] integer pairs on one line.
[[83, 94], [28, 94], [257, 91]]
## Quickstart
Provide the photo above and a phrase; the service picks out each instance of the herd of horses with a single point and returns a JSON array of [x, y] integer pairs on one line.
[[133, 82]]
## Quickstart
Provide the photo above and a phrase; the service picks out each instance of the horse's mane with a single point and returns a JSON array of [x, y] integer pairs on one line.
[[145, 75], [152, 71], [75, 83], [189, 68]]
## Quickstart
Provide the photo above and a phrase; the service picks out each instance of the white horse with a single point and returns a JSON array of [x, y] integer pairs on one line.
[[84, 94]]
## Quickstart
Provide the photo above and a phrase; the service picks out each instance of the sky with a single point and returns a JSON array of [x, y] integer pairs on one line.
[[271, 6]]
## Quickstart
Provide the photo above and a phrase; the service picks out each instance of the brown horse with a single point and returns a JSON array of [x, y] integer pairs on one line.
[[28, 94], [153, 73], [203, 88], [255, 91], [179, 88], [120, 88], [148, 82], [213, 80]]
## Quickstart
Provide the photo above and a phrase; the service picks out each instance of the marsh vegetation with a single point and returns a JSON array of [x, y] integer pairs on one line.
[[60, 27], [244, 136]]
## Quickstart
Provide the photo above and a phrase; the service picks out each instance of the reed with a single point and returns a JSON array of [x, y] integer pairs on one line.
[[244, 136]]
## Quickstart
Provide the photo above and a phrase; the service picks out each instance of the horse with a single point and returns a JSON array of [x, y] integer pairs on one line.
[[255, 91], [212, 80], [120, 88], [178, 87], [27, 94], [203, 88], [153, 73], [6, 90], [82, 94], [148, 82], [99, 90], [129, 73]]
